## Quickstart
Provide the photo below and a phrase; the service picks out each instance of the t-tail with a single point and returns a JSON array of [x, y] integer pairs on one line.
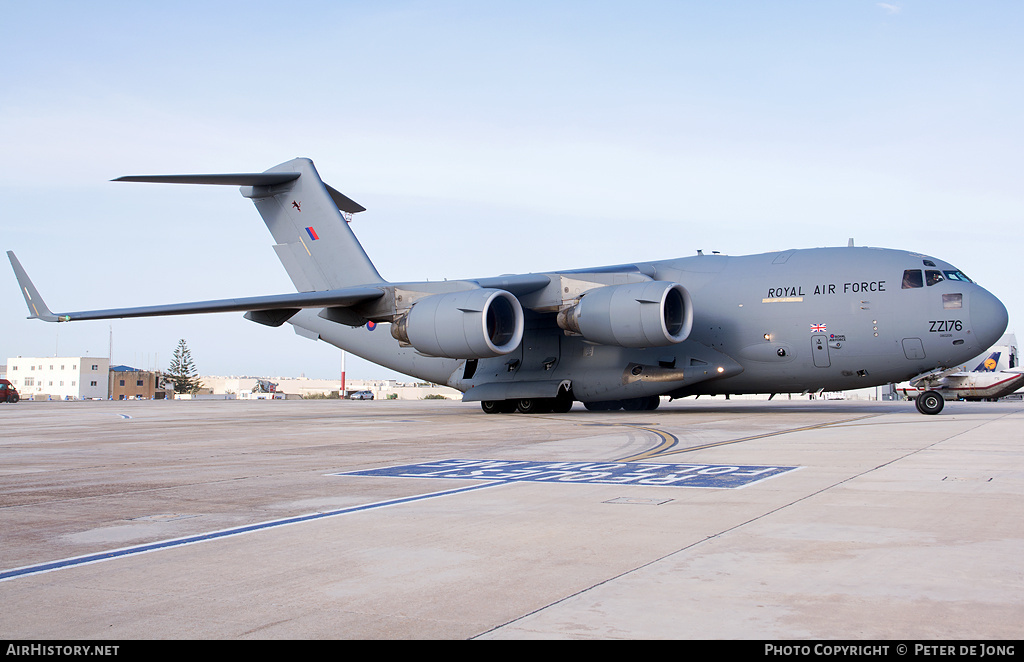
[[307, 218], [324, 259]]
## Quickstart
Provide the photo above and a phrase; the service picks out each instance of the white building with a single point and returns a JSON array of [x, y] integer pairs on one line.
[[59, 377], [382, 389]]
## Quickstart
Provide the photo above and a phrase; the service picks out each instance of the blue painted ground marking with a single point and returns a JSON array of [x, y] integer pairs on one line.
[[607, 473], [495, 472], [216, 535]]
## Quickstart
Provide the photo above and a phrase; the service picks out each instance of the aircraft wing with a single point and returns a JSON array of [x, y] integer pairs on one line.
[[518, 284], [283, 303]]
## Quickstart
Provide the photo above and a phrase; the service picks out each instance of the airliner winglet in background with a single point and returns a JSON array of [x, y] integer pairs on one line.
[[611, 337]]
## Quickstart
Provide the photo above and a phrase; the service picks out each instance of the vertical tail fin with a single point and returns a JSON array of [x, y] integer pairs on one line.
[[314, 241], [989, 364]]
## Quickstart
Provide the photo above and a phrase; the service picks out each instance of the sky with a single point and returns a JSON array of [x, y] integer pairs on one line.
[[484, 139]]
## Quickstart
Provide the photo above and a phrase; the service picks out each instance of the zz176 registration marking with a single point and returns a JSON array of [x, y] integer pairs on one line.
[[608, 473], [945, 326]]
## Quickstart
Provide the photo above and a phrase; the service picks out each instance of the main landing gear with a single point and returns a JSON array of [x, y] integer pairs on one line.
[[559, 405], [929, 402]]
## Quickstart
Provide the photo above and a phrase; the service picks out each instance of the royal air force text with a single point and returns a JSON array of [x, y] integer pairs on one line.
[[827, 288]]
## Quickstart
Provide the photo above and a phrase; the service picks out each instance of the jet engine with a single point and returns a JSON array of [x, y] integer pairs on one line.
[[471, 324], [650, 314]]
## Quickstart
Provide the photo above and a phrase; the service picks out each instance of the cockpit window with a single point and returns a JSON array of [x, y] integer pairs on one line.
[[932, 277], [912, 278], [928, 263], [957, 275], [952, 301]]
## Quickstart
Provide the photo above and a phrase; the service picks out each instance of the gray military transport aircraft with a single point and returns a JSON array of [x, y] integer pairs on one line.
[[795, 321]]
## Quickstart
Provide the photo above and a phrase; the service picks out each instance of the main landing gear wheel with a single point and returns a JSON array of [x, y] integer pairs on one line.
[[930, 402], [498, 406], [533, 406], [560, 404], [557, 405]]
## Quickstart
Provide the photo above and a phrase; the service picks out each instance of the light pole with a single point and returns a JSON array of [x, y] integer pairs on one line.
[[341, 393]]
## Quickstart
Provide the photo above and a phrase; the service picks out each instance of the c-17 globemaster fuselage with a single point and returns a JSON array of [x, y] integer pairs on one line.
[[620, 336]]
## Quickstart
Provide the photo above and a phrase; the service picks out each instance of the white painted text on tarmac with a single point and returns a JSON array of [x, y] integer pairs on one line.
[[612, 473]]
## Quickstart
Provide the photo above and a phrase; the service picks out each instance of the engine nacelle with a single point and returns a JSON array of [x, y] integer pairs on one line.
[[650, 314], [471, 324]]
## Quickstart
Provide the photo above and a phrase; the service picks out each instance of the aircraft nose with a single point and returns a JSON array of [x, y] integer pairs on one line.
[[988, 317]]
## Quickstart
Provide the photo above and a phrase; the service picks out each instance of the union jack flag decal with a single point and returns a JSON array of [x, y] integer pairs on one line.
[[818, 328]]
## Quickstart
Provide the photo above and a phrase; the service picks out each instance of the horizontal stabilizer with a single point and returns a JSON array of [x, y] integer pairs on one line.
[[236, 179], [344, 203]]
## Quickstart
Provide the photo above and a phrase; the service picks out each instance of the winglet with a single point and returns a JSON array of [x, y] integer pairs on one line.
[[36, 305]]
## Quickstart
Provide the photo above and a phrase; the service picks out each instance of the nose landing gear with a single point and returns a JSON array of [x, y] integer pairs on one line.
[[930, 402]]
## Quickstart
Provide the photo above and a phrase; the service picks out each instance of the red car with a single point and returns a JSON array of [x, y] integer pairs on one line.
[[7, 392]]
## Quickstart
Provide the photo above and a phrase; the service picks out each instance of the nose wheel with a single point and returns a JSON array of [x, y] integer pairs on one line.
[[930, 402]]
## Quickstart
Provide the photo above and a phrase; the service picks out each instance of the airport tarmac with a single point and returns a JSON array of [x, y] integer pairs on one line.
[[244, 520]]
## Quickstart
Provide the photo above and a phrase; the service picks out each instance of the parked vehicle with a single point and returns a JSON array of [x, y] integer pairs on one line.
[[361, 395], [7, 392]]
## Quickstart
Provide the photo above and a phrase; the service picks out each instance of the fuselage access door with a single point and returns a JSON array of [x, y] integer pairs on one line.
[[819, 350]]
